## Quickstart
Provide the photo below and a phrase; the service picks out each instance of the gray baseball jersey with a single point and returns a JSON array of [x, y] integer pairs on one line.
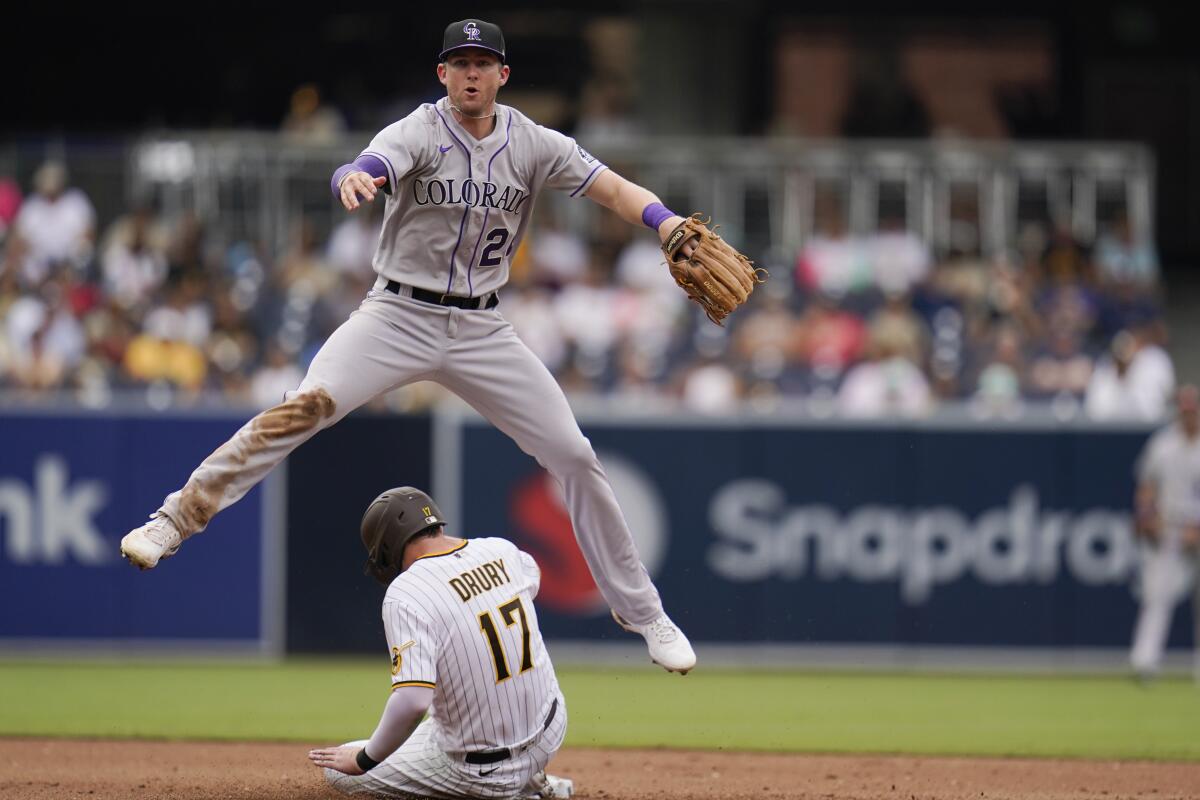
[[1172, 463], [463, 623], [458, 206]]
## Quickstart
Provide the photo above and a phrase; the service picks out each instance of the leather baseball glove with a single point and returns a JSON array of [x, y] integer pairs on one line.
[[715, 275]]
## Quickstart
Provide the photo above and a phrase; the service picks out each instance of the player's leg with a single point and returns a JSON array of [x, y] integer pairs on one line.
[[493, 370], [1195, 585], [379, 782], [1159, 593], [365, 356], [537, 758], [384, 780], [418, 769]]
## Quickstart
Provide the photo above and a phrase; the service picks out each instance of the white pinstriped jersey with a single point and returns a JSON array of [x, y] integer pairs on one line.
[[463, 622], [458, 206]]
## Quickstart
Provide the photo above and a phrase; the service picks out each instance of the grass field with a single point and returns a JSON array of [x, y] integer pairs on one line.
[[335, 700]]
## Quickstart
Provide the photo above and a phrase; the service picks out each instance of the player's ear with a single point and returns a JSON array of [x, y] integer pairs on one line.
[[441, 73], [504, 74]]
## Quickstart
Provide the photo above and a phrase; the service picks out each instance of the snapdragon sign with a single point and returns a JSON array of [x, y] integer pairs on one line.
[[914, 535]]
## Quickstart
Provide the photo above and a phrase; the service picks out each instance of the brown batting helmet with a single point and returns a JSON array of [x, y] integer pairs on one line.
[[392, 520]]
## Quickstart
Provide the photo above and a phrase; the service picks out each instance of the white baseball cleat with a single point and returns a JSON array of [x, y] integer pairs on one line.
[[558, 787], [669, 648], [144, 547], [543, 786]]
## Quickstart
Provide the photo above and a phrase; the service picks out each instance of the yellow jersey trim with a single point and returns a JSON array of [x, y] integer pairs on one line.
[[454, 549], [426, 684]]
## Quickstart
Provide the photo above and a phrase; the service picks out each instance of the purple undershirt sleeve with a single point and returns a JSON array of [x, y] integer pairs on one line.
[[368, 164]]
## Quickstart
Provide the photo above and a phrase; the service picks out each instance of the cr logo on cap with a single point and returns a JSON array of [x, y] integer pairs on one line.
[[472, 32]]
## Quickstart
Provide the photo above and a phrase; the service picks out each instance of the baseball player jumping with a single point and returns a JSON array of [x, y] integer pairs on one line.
[[463, 638], [460, 176]]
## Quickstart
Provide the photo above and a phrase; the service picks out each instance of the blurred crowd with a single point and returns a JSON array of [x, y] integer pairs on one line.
[[852, 325], [168, 308]]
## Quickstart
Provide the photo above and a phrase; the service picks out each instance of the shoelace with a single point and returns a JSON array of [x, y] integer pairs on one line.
[[663, 630], [159, 531]]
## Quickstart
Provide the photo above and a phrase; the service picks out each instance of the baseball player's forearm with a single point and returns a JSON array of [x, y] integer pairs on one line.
[[1191, 536], [401, 716], [365, 163], [624, 197], [1146, 508]]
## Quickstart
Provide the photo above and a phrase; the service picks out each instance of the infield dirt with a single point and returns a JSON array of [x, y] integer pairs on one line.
[[34, 769]]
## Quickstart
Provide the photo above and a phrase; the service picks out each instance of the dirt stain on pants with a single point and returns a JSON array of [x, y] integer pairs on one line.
[[246, 458]]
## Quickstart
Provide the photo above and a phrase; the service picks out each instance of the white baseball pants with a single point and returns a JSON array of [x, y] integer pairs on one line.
[[391, 341], [421, 769], [1166, 575]]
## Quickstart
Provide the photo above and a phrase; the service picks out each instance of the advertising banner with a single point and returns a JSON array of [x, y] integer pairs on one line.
[[72, 485], [839, 534], [331, 479]]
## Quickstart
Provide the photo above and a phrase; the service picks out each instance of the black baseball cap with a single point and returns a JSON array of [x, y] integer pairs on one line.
[[473, 33]]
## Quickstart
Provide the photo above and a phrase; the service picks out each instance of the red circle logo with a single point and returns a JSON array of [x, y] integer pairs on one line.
[[541, 526]]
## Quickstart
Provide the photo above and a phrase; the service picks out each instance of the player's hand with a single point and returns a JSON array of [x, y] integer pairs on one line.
[[664, 230], [1148, 525], [336, 758], [358, 184], [1191, 537]]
